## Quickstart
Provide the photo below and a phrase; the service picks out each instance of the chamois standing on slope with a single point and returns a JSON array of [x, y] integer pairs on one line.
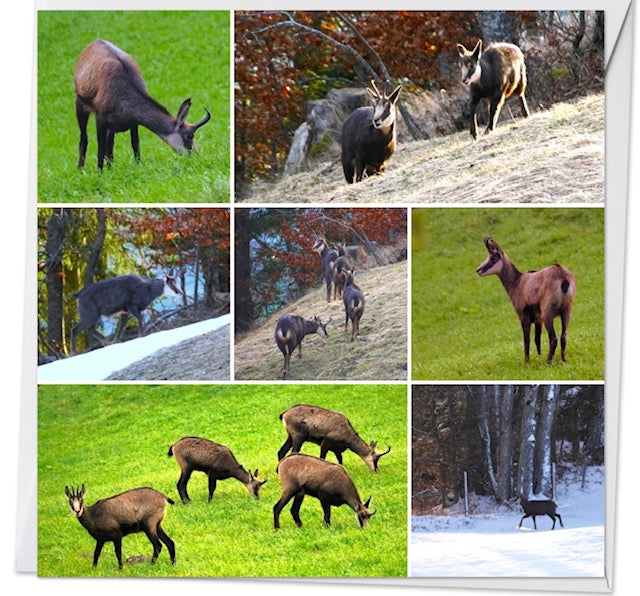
[[341, 267], [537, 296], [125, 295], [108, 83], [194, 454], [369, 136], [539, 507], [353, 299], [108, 520], [495, 74], [330, 483], [291, 330], [331, 430], [328, 257]]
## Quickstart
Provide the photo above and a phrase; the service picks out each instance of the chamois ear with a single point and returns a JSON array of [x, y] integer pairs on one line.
[[183, 112], [462, 51], [393, 98], [477, 51]]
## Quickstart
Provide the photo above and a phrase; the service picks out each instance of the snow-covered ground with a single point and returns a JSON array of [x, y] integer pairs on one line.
[[97, 365], [489, 544]]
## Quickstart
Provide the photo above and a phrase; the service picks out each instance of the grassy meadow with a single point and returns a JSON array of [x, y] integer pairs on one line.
[[181, 54], [464, 327], [116, 437]]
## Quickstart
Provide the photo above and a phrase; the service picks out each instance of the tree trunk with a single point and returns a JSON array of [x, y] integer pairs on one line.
[[505, 444], [527, 442], [244, 302], [56, 227], [96, 248], [480, 401], [543, 475]]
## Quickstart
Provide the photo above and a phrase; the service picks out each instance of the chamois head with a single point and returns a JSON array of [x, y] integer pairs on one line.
[[181, 140], [76, 501], [384, 107], [363, 513], [494, 261]]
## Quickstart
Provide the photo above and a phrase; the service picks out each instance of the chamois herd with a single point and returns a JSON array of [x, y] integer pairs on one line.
[[338, 272], [143, 509]]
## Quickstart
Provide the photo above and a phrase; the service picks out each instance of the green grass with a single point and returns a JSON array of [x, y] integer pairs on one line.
[[115, 437], [464, 327], [181, 54]]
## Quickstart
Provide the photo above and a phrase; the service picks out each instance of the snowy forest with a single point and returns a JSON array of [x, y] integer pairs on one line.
[[78, 246], [510, 440]]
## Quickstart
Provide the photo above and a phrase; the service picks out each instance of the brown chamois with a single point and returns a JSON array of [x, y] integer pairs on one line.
[[327, 258], [216, 461], [539, 507], [108, 83], [353, 299], [495, 74], [341, 265], [369, 136], [330, 483], [125, 295], [537, 296], [331, 430], [291, 330], [108, 520]]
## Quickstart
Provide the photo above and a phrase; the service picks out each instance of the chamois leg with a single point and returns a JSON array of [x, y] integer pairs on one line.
[[82, 115], [494, 112], [473, 125], [97, 551], [526, 334], [326, 507], [135, 143], [553, 340], [285, 448], [360, 167], [102, 128], [349, 171], [295, 508], [117, 546], [538, 327], [279, 506], [170, 543], [523, 106], [564, 318], [182, 485], [111, 137], [155, 541], [212, 486], [122, 324]]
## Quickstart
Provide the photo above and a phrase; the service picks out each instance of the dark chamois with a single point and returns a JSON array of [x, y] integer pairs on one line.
[[341, 267], [539, 507], [353, 299], [369, 136], [330, 483], [194, 454], [291, 330], [328, 258], [125, 295], [537, 296], [108, 520], [495, 74], [108, 83], [331, 430]]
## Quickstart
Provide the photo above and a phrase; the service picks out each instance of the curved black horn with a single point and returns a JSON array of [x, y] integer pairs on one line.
[[385, 452], [203, 121]]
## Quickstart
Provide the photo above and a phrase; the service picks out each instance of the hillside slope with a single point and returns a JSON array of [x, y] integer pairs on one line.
[[555, 156], [380, 353]]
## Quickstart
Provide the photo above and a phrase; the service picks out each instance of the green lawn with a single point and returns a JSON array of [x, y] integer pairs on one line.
[[115, 437], [181, 54], [464, 327]]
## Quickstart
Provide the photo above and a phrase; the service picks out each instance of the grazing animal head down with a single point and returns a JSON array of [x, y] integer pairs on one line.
[[182, 138]]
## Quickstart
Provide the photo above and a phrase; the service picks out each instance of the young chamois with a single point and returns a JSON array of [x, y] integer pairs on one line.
[[108, 520], [537, 296], [328, 258], [495, 74], [215, 460], [108, 83], [331, 430], [330, 483], [539, 507], [291, 330], [353, 299], [369, 136], [125, 295], [341, 267]]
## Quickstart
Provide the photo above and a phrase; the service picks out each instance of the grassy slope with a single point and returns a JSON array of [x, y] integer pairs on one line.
[[464, 327], [174, 67], [556, 156], [113, 438], [379, 354]]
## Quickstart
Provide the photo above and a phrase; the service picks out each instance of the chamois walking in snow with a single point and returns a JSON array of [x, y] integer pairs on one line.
[[495, 74], [369, 135], [330, 483], [108, 83], [194, 454], [331, 430], [125, 295], [291, 330], [539, 507], [108, 520], [537, 296]]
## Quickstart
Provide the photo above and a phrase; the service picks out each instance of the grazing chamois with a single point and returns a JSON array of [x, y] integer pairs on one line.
[[108, 520], [194, 454], [108, 83], [125, 295], [328, 258], [495, 74], [291, 330], [330, 483], [537, 296], [331, 430], [539, 507], [369, 136], [340, 268], [353, 299]]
